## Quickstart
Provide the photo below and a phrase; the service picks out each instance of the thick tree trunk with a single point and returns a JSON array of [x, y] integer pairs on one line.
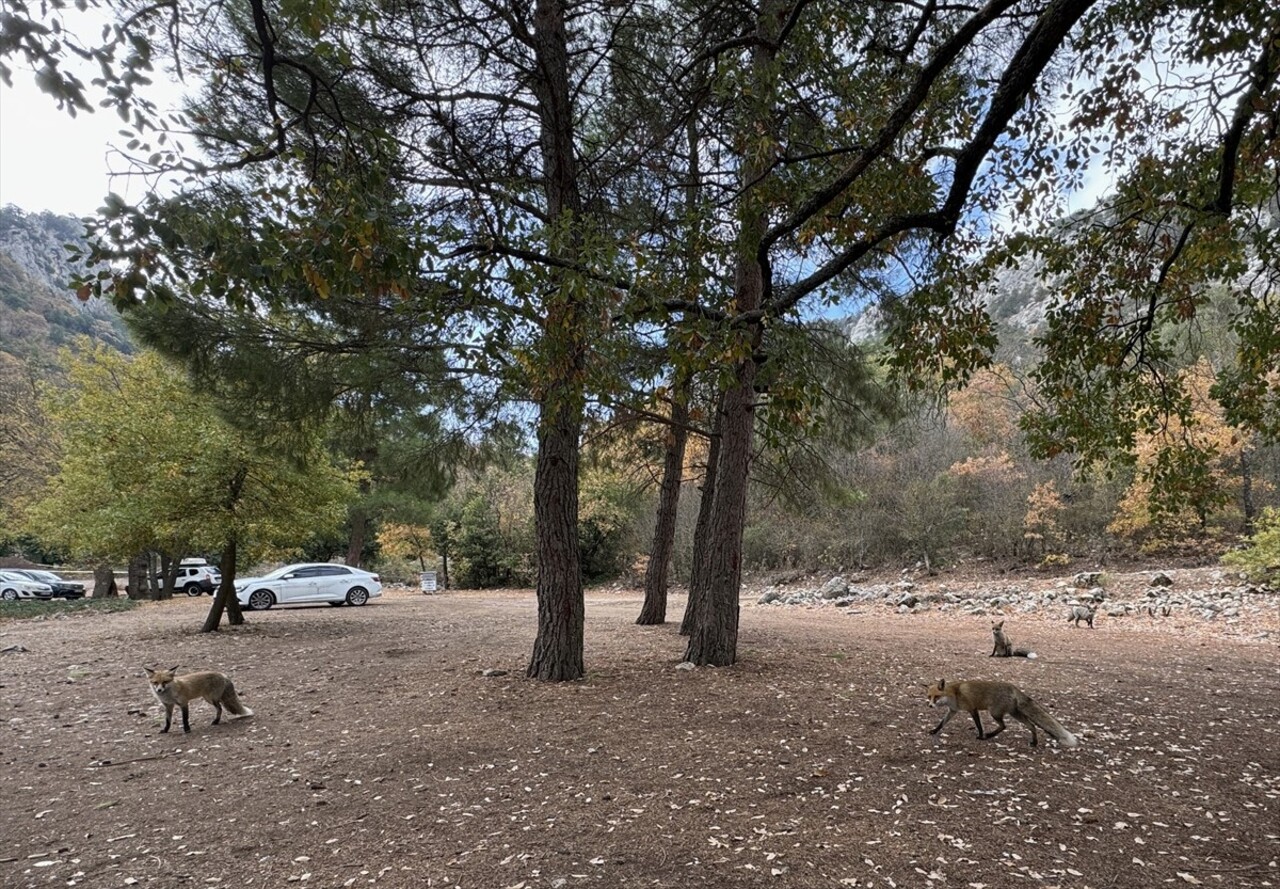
[[702, 528], [104, 583], [714, 637], [136, 583], [654, 610], [224, 598], [714, 640], [557, 651]]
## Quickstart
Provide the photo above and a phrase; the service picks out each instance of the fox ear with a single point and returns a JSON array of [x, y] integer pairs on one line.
[[942, 684], [148, 669], [173, 669]]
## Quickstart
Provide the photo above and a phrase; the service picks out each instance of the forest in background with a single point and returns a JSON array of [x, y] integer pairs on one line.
[[938, 480]]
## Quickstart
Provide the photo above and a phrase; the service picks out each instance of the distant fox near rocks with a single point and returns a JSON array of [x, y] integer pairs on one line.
[[1077, 613], [1003, 647]]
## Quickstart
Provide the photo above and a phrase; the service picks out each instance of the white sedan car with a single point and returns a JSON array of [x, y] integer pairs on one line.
[[308, 582], [14, 586]]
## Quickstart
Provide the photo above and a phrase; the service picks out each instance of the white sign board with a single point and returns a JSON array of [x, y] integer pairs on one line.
[[428, 579]]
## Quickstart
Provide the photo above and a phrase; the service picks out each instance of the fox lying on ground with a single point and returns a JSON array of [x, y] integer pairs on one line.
[[1077, 613], [1000, 699], [172, 691], [1003, 647]]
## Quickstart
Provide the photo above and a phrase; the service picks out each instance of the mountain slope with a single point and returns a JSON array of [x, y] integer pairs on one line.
[[38, 314]]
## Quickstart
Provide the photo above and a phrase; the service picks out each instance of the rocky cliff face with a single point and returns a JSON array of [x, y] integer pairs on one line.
[[38, 312], [36, 243]]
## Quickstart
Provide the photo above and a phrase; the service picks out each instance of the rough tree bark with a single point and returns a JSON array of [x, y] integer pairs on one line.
[[702, 528], [557, 650], [137, 585], [714, 638], [654, 610]]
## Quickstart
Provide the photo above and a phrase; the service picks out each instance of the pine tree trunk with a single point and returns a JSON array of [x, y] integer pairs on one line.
[[654, 610], [702, 528], [557, 650], [714, 639]]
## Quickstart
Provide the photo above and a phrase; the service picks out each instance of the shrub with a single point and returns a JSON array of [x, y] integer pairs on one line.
[[1261, 559]]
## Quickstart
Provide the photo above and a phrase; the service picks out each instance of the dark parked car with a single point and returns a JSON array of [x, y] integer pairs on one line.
[[62, 589]]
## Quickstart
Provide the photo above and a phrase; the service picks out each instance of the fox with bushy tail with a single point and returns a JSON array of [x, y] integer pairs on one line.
[[1000, 699], [173, 690], [1003, 647]]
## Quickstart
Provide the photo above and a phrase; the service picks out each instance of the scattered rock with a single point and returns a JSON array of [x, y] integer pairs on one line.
[[1161, 579], [686, 666], [835, 588]]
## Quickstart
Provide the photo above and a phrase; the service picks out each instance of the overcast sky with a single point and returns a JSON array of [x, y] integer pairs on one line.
[[50, 160]]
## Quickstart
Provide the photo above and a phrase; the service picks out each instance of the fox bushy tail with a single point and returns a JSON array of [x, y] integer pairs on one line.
[[1049, 725], [236, 707]]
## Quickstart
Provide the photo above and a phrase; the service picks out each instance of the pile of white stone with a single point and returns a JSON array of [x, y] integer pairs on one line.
[[1228, 595]]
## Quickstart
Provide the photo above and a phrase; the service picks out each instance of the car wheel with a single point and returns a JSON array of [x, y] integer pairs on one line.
[[192, 589], [261, 600], [10, 595], [357, 595]]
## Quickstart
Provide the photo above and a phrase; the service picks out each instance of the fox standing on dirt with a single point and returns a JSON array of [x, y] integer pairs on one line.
[[1000, 699], [1079, 613], [172, 691], [1003, 647]]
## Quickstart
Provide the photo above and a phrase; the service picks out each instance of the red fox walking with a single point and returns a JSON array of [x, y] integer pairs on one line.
[[172, 691], [1003, 647], [1000, 699]]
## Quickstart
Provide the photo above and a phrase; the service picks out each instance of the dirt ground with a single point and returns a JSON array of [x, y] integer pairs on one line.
[[381, 754]]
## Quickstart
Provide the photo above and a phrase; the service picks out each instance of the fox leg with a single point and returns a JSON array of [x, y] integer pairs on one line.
[[217, 705], [977, 720], [945, 720], [186, 717], [998, 717], [168, 718]]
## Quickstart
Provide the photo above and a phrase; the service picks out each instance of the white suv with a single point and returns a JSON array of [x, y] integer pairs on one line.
[[196, 576]]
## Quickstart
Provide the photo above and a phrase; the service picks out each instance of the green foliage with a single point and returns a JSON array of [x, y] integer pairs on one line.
[[1261, 558], [608, 507], [488, 554], [146, 464]]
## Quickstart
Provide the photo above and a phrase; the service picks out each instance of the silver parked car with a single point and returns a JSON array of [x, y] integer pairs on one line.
[[15, 586], [309, 582]]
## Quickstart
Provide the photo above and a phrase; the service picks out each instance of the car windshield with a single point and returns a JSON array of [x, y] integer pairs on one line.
[[281, 572], [45, 575]]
